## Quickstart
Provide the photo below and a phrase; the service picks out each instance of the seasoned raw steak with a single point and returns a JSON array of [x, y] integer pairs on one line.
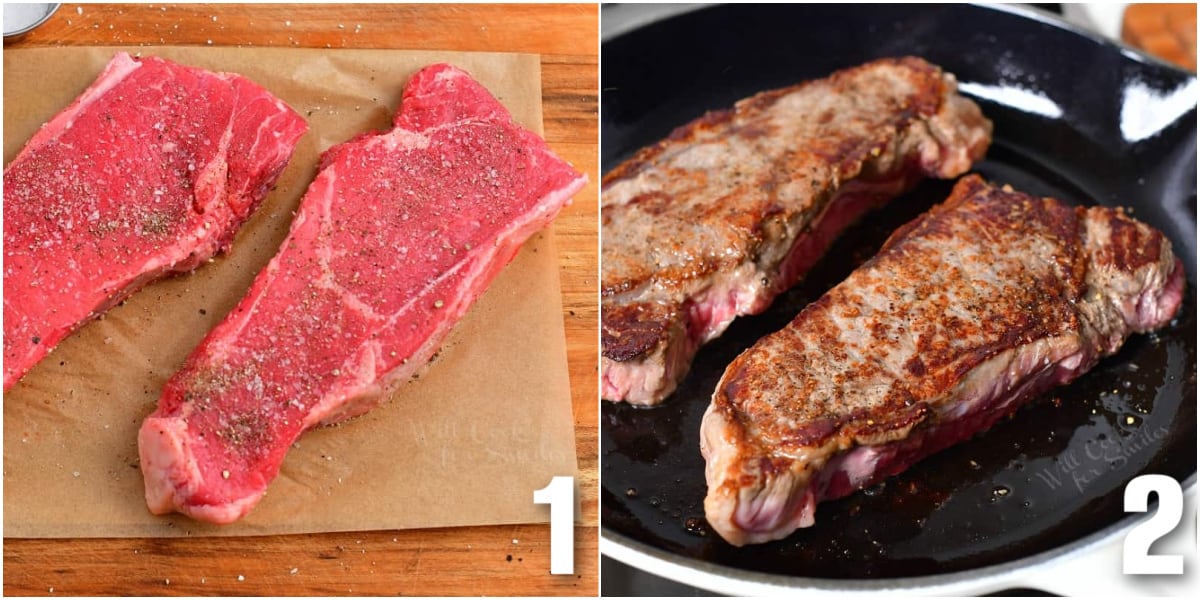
[[967, 313], [396, 237], [735, 207], [150, 171]]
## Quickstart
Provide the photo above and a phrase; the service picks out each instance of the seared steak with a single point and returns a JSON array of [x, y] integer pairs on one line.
[[150, 171], [735, 207], [966, 314], [394, 240]]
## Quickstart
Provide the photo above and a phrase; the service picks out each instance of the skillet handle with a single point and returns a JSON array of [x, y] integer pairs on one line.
[[1097, 570]]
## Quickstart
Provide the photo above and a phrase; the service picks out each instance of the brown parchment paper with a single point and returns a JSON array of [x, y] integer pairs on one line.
[[467, 443]]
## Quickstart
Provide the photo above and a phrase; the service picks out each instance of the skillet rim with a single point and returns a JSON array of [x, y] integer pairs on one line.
[[930, 583], [1003, 573]]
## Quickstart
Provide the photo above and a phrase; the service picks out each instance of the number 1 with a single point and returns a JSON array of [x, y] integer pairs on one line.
[[560, 495]]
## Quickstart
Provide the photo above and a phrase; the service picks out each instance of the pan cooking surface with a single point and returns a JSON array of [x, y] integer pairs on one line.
[[1082, 123]]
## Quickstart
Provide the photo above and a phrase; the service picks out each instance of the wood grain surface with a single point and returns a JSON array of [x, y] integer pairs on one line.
[[503, 560]]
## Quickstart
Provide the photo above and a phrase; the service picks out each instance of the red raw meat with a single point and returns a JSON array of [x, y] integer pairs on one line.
[[396, 237], [150, 171]]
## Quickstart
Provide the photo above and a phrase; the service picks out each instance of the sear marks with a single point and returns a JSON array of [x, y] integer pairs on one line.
[[731, 209], [966, 313]]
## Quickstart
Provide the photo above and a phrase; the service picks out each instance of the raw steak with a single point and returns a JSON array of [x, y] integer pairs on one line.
[[967, 313], [735, 207], [394, 240], [150, 171]]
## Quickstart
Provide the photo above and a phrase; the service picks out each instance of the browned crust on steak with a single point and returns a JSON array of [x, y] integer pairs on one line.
[[925, 101], [670, 229], [825, 160], [966, 313], [629, 330], [1035, 302], [1133, 245]]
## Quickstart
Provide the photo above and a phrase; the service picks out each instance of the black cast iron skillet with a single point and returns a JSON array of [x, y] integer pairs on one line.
[[1077, 118]]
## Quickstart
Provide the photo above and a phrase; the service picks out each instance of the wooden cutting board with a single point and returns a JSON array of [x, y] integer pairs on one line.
[[502, 560]]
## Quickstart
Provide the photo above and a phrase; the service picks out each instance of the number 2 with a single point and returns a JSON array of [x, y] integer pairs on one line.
[[560, 495], [1137, 558]]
